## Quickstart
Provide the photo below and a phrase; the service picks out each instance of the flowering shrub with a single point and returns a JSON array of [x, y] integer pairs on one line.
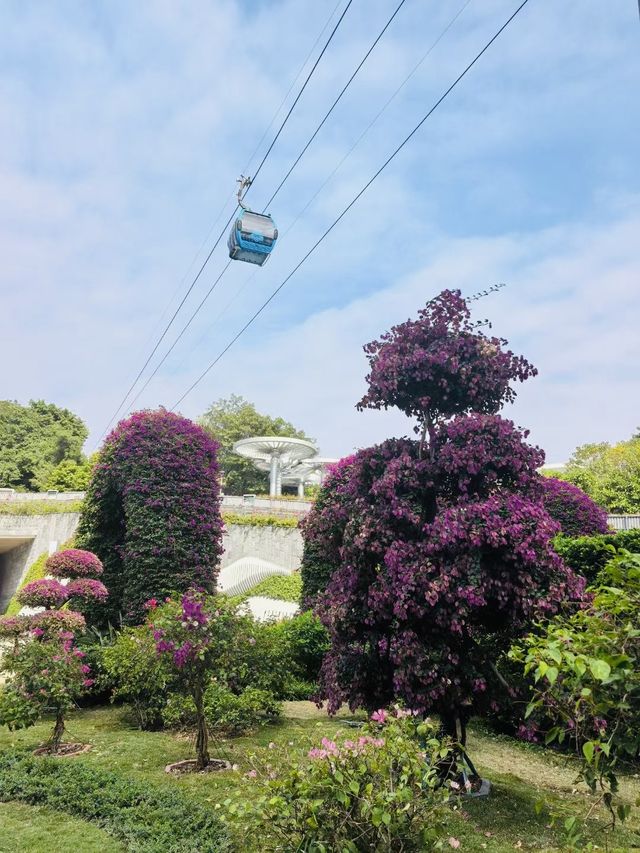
[[194, 636], [74, 563], [152, 512], [425, 558], [378, 790], [576, 513], [86, 589], [13, 626], [48, 675], [586, 669], [43, 593], [52, 621]]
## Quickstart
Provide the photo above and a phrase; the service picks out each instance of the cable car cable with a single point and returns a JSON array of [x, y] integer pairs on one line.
[[313, 136], [223, 232], [351, 203], [335, 103], [246, 169], [299, 215]]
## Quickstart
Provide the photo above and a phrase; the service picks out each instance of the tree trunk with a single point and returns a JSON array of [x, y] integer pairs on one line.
[[202, 735], [58, 731]]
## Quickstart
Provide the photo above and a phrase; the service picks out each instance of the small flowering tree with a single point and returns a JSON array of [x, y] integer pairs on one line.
[[425, 558], [195, 636], [48, 673]]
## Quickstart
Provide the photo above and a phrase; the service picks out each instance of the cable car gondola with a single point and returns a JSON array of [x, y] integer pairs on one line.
[[253, 235]]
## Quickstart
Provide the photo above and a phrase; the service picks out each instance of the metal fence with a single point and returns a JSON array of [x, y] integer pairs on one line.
[[624, 522]]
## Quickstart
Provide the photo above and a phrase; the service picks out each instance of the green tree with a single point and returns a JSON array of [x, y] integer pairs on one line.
[[609, 474], [34, 439], [71, 476], [229, 420]]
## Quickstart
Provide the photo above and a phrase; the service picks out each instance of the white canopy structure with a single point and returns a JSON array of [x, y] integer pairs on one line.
[[276, 454]]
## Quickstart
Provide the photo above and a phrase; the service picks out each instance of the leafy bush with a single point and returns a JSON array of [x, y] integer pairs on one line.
[[225, 712], [283, 658], [586, 669], [144, 818], [152, 512], [588, 555], [576, 513], [139, 676], [372, 793]]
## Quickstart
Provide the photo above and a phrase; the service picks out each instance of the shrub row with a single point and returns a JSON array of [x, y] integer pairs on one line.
[[588, 555], [39, 507], [144, 818], [256, 520]]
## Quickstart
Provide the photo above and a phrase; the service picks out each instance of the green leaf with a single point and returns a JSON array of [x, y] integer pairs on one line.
[[552, 674], [554, 654], [600, 669], [588, 749]]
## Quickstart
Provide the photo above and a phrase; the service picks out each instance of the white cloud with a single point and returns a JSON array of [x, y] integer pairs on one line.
[[571, 306]]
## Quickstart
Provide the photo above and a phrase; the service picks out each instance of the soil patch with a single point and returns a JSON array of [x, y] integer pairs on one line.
[[189, 766]]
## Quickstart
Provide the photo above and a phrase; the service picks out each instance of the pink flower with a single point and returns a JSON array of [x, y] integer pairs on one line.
[[87, 682], [379, 716], [453, 842], [251, 774], [151, 604]]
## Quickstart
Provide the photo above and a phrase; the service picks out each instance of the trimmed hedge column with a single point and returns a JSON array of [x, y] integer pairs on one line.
[[152, 512]]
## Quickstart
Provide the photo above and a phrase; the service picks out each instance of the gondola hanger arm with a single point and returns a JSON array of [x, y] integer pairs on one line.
[[245, 183]]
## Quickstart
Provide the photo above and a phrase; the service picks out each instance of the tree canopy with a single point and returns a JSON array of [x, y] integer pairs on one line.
[[609, 474], [424, 559], [227, 421], [34, 439]]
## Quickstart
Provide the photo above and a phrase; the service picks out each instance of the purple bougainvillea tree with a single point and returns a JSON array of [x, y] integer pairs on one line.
[[425, 558], [152, 512], [47, 672], [576, 513]]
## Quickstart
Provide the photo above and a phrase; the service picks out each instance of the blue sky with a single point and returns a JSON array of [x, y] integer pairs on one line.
[[122, 130]]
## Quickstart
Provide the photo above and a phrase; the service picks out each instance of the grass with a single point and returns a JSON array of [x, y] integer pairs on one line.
[[34, 829], [520, 774], [39, 507]]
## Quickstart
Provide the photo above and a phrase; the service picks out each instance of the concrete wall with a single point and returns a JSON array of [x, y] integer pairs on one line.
[[34, 535], [280, 545]]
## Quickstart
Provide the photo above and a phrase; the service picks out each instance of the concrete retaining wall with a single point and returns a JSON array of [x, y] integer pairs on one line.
[[23, 538], [33, 535], [280, 545]]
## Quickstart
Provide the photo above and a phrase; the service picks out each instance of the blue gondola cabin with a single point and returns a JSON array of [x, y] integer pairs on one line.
[[252, 237]]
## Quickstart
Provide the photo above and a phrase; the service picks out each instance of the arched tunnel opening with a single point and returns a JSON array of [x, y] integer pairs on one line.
[[14, 554]]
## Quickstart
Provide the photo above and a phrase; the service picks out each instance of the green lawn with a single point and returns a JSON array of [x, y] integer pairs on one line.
[[507, 820], [33, 829]]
